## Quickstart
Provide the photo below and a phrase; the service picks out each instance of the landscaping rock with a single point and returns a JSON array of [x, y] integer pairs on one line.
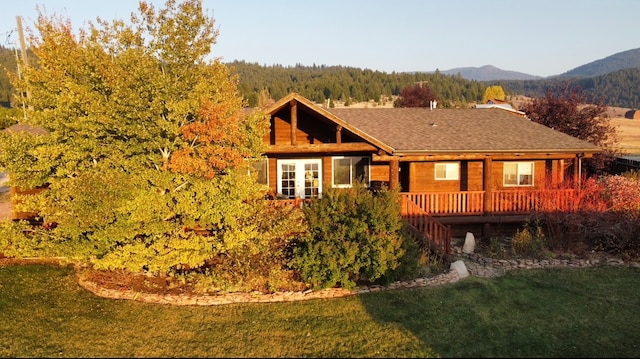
[[469, 243]]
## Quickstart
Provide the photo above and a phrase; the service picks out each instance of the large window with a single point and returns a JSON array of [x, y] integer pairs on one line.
[[447, 171], [347, 170], [518, 174]]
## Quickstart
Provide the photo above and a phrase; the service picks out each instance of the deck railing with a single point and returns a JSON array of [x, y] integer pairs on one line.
[[527, 201], [432, 233], [468, 202], [502, 201], [294, 202]]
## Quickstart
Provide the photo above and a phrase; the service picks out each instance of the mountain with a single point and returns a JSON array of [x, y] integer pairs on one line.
[[624, 60], [621, 61], [489, 73]]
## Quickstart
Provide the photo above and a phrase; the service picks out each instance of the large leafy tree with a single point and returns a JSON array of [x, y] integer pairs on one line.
[[566, 110], [494, 92], [143, 161], [416, 95]]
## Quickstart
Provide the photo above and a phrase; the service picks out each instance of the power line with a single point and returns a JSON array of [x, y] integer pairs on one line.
[[7, 35]]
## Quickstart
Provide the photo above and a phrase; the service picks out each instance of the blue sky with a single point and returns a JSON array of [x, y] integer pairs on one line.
[[537, 37]]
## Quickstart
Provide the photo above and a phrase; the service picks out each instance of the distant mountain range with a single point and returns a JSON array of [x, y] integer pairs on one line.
[[489, 73], [623, 60]]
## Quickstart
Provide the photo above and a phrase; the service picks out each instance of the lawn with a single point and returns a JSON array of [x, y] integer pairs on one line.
[[590, 312]]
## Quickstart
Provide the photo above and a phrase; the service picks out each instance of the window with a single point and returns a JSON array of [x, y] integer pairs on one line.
[[260, 167], [347, 170], [447, 171], [518, 174]]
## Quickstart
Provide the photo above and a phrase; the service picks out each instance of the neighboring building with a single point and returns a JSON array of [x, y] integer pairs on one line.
[[495, 103]]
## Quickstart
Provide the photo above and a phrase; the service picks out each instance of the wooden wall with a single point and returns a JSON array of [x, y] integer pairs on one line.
[[306, 133], [422, 176]]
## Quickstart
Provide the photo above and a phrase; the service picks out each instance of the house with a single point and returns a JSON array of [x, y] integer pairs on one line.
[[495, 103], [462, 166]]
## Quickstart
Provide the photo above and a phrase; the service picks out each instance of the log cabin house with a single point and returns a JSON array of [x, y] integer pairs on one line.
[[458, 170], [466, 168]]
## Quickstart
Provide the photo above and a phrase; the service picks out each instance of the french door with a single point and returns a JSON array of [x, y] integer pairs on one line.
[[300, 178]]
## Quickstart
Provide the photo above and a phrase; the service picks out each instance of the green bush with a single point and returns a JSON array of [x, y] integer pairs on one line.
[[530, 241], [415, 262], [354, 235], [8, 117]]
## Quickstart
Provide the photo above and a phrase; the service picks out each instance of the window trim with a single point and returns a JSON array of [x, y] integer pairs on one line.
[[350, 185], [519, 173], [446, 173]]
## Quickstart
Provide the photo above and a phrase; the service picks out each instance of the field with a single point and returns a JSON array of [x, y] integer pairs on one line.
[[629, 135]]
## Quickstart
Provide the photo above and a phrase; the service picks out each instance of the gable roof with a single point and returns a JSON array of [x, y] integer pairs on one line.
[[420, 130], [278, 105], [407, 131]]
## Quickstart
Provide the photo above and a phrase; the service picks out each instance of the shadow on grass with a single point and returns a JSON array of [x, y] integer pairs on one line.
[[525, 313]]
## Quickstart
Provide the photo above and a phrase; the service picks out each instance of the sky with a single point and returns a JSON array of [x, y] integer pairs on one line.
[[535, 37]]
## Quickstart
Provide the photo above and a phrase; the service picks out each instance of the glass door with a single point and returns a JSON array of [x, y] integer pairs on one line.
[[299, 178]]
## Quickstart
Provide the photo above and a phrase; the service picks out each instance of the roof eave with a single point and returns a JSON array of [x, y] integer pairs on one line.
[[576, 151]]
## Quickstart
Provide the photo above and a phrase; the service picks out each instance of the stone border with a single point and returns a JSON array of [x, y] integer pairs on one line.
[[462, 266], [257, 297]]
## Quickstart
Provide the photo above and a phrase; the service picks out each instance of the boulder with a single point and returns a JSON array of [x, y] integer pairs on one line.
[[461, 268], [469, 243]]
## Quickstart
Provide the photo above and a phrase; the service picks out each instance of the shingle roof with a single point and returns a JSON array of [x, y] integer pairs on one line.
[[412, 130]]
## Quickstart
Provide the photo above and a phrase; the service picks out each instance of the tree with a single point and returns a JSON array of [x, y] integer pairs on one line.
[[416, 95], [144, 158], [494, 92], [567, 112]]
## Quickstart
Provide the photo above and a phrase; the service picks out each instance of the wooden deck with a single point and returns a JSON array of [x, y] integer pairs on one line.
[[432, 214]]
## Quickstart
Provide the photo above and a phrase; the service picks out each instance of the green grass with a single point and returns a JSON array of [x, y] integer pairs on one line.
[[530, 313]]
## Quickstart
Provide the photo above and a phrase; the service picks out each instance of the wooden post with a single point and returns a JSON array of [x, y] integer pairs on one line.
[[294, 122], [394, 169], [486, 184], [339, 134], [576, 172]]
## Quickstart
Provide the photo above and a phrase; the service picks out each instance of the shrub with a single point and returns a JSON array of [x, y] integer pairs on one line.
[[415, 262], [8, 117], [354, 235], [530, 241], [607, 218]]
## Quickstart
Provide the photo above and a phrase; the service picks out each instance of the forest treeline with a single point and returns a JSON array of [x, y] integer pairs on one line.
[[322, 84], [619, 88], [348, 84]]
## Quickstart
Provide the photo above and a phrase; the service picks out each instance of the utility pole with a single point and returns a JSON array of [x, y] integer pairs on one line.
[[23, 50]]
